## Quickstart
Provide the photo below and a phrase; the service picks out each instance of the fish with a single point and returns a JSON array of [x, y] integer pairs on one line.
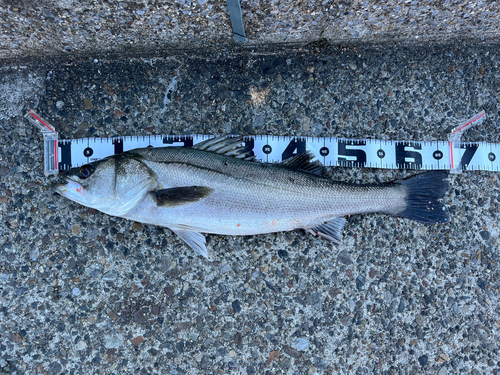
[[218, 187]]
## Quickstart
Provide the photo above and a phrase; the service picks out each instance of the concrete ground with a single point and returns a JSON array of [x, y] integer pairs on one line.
[[82, 292], [43, 29]]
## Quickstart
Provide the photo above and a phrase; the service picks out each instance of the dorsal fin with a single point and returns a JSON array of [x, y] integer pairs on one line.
[[303, 163], [229, 146]]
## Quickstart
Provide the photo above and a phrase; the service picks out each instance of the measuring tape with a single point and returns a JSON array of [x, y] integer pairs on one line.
[[453, 155]]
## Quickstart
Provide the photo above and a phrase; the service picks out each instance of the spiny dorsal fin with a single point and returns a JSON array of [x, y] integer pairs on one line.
[[180, 195], [229, 146], [303, 162]]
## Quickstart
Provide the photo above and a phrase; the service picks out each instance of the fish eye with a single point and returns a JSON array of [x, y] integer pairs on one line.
[[85, 171]]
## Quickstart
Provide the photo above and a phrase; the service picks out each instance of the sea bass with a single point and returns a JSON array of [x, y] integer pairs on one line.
[[218, 187]]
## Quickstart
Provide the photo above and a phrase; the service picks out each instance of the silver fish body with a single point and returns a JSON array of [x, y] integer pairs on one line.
[[216, 187]]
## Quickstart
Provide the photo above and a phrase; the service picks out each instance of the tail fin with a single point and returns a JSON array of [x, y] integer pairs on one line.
[[422, 193]]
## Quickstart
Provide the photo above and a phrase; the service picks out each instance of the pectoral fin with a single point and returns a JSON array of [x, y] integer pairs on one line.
[[194, 240], [330, 230], [180, 195]]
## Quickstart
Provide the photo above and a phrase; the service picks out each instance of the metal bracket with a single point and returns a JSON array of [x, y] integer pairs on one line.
[[237, 20], [50, 140], [455, 139]]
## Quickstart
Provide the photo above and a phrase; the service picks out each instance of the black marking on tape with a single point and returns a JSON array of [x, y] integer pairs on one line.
[[249, 145], [65, 162], [185, 140], [469, 153], [88, 152], [491, 156], [381, 153], [438, 154], [324, 151], [267, 149], [118, 143], [295, 147], [343, 152], [402, 155]]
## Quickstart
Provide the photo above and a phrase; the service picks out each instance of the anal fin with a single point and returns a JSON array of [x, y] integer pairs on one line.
[[330, 230]]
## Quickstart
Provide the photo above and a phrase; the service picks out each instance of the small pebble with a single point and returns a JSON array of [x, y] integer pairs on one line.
[[113, 341], [225, 268], [485, 235], [34, 255], [139, 317], [445, 357], [96, 274], [274, 355], [345, 257], [76, 292], [155, 310], [4, 171], [372, 273], [423, 360], [137, 340], [360, 282], [294, 353], [55, 368], [301, 344], [419, 319], [402, 305], [481, 283], [236, 306], [87, 104], [283, 253], [110, 276]]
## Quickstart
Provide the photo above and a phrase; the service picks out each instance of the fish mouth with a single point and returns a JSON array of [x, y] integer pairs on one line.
[[58, 188], [67, 187]]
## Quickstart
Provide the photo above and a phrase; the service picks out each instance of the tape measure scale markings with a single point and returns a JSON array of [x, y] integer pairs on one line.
[[452, 155]]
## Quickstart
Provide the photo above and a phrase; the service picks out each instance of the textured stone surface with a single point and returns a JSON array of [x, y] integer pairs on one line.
[[94, 29], [395, 297]]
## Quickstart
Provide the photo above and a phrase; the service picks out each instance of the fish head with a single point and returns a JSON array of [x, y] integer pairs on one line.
[[113, 185]]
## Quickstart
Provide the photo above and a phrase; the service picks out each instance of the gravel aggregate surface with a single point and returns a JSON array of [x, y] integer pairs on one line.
[[82, 292], [46, 28]]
